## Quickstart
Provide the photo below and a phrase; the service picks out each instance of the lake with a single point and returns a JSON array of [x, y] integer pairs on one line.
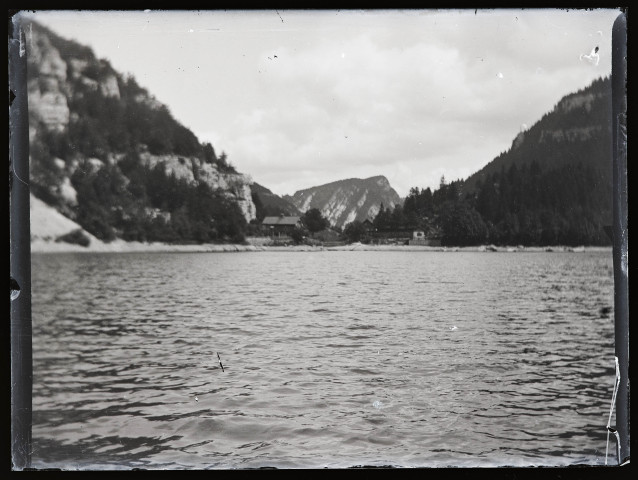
[[330, 359]]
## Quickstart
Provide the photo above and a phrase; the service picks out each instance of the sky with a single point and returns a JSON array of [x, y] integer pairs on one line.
[[302, 98]]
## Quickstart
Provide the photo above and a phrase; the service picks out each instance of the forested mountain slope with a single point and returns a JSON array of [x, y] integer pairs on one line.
[[108, 155], [552, 186]]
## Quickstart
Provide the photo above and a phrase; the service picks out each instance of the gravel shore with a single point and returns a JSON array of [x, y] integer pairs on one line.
[[120, 246]]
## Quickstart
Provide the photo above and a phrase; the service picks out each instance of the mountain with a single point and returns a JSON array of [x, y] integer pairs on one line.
[[345, 201], [109, 156], [553, 186], [269, 204], [577, 129], [555, 183]]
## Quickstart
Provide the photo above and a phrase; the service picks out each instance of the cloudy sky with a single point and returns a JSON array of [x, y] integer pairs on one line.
[[302, 98]]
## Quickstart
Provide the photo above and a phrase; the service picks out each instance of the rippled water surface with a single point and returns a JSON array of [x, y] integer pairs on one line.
[[330, 359]]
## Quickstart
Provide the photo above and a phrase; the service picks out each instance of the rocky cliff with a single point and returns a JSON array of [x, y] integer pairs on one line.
[[348, 200], [96, 138]]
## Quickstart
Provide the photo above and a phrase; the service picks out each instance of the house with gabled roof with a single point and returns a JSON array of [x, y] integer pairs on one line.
[[281, 225], [368, 225]]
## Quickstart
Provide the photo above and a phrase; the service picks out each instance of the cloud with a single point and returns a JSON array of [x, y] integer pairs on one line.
[[352, 105], [359, 105], [327, 95]]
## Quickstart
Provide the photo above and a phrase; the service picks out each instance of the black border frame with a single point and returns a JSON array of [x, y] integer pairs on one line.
[[20, 354]]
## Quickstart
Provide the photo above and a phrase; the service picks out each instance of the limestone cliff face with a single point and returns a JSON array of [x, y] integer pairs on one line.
[[345, 201], [235, 186], [570, 134], [48, 90], [579, 100], [84, 113], [582, 102]]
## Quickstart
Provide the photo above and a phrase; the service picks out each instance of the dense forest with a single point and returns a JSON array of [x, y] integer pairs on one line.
[[517, 206], [137, 203], [132, 201]]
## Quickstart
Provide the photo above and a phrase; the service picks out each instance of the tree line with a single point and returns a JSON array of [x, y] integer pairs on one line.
[[523, 205], [135, 202]]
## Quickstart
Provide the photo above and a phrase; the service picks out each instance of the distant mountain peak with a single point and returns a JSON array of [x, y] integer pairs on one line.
[[347, 200]]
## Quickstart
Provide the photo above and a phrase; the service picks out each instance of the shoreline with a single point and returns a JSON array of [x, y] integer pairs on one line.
[[119, 246]]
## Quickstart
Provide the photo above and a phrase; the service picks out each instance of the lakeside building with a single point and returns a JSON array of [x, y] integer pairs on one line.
[[368, 226], [419, 238], [281, 225]]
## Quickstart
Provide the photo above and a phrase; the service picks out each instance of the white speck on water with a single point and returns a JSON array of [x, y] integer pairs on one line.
[[377, 404]]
